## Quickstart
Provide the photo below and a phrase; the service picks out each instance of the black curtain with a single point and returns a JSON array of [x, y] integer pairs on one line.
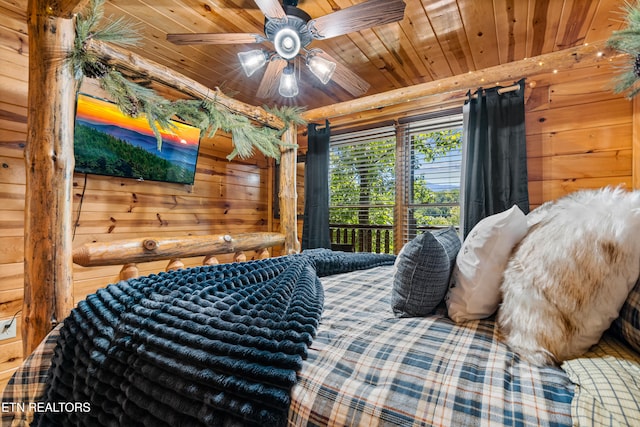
[[494, 155], [315, 226]]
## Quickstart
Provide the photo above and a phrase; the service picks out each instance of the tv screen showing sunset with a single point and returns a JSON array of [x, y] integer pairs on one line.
[[108, 142]]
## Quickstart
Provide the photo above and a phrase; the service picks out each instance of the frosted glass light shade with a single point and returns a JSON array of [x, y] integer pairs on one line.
[[252, 60], [322, 68], [288, 84]]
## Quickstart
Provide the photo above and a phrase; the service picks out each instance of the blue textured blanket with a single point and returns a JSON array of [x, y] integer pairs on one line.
[[217, 345]]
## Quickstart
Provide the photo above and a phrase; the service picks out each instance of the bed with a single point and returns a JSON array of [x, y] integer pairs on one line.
[[365, 366]]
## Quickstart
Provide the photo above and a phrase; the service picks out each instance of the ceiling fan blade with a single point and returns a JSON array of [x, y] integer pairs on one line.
[[346, 78], [209, 38], [269, 81], [271, 8], [357, 17]]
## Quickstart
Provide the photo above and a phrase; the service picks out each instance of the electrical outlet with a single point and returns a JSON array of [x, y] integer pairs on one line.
[[10, 332]]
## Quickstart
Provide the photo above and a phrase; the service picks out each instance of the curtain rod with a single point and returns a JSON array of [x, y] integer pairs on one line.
[[502, 90]]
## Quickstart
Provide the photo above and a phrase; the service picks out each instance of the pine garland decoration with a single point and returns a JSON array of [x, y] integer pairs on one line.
[[288, 114], [627, 41], [134, 98], [87, 26]]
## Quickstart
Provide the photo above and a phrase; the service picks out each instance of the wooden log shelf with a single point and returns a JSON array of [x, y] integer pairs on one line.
[[131, 251]]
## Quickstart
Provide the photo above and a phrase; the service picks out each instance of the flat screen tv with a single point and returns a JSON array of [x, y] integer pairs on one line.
[[108, 142]]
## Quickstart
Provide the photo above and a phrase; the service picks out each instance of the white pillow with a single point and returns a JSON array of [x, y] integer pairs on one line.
[[474, 289]]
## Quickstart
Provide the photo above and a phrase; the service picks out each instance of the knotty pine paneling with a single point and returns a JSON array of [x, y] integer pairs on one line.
[[12, 276], [10, 356], [579, 134], [13, 89], [11, 249], [12, 196], [603, 164], [576, 141], [585, 115]]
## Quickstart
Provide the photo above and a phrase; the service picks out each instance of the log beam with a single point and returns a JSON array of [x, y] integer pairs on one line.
[[49, 163], [158, 248], [512, 71], [68, 8], [125, 60]]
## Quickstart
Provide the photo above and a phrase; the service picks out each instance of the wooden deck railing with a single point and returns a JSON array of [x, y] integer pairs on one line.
[[369, 238], [129, 252], [362, 238]]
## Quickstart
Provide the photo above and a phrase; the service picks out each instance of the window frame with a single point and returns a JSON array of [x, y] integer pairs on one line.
[[401, 132]]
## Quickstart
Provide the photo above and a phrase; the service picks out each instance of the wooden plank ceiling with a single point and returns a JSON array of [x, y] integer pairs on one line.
[[436, 39]]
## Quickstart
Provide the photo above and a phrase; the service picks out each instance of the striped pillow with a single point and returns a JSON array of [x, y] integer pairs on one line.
[[607, 391]]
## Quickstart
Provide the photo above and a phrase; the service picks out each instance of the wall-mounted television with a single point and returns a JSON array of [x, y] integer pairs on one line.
[[108, 142]]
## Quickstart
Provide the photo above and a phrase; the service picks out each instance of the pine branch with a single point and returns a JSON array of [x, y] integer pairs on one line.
[[627, 41], [288, 114]]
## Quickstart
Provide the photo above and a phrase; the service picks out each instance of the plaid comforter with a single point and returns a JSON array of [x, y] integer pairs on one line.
[[368, 368]]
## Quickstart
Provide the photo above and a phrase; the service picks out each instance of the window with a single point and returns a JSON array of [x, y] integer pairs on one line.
[[431, 157], [362, 188], [394, 180]]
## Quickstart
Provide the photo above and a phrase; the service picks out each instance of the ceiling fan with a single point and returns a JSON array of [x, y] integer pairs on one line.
[[291, 30]]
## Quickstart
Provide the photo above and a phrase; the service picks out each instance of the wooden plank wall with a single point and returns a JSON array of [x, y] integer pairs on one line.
[[579, 136], [579, 133], [227, 197], [13, 126]]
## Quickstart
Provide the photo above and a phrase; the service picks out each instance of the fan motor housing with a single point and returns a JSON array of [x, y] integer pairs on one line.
[[296, 20]]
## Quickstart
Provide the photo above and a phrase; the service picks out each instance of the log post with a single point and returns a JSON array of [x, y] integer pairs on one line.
[[129, 271], [210, 260], [175, 264], [49, 162], [401, 196], [635, 145], [287, 193]]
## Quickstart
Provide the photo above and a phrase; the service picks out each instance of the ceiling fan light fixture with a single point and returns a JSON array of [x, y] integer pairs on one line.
[[287, 43], [252, 60], [322, 68], [291, 30], [288, 83]]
